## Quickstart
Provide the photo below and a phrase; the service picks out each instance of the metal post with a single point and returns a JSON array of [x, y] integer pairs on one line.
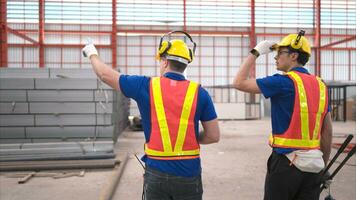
[[184, 15], [252, 45], [113, 36], [317, 38], [253, 35], [344, 101], [3, 35], [41, 33]]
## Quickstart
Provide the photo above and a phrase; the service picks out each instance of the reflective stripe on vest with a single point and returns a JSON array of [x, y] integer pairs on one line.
[[280, 140], [168, 150]]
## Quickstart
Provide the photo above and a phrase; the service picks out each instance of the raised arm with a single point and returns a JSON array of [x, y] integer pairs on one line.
[[103, 71], [211, 133], [241, 80]]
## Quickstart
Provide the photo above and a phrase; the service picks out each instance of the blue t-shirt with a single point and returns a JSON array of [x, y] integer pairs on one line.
[[280, 89], [138, 88]]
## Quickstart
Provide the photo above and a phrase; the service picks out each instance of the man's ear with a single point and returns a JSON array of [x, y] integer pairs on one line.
[[294, 56], [165, 63]]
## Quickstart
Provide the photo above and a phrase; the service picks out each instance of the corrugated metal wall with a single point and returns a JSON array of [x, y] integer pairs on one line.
[[68, 23]]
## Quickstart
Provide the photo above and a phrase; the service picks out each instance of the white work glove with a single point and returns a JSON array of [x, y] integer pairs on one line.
[[265, 47], [89, 49]]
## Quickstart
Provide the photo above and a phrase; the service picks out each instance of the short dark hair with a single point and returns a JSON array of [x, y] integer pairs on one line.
[[175, 65], [303, 57]]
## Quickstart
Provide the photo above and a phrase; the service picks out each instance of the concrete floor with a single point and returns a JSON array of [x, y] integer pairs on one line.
[[233, 169]]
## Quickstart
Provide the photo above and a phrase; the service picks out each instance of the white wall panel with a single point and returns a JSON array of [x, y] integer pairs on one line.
[[31, 65], [206, 81], [133, 40], [133, 61], [150, 71], [52, 55], [147, 40], [53, 65], [196, 61], [13, 39], [233, 70], [235, 61], [71, 27], [121, 50], [207, 61], [15, 65], [14, 54], [71, 39], [206, 41], [341, 57], [327, 57], [53, 39], [192, 71], [149, 61], [31, 54], [70, 65], [353, 64], [71, 55], [206, 51], [134, 70], [220, 41], [220, 71], [207, 71], [121, 61], [149, 51], [105, 54], [341, 72], [133, 50], [221, 81], [220, 51], [220, 61], [235, 51], [326, 72], [86, 66]]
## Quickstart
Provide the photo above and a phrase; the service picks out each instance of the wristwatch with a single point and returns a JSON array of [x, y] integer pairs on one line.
[[255, 53]]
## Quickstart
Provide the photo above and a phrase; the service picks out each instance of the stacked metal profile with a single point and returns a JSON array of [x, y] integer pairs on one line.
[[58, 113]]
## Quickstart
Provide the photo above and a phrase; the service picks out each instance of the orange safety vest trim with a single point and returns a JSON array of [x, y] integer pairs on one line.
[[310, 108], [174, 138]]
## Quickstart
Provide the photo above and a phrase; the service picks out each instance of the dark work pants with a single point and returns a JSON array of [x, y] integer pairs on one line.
[[161, 186], [286, 182]]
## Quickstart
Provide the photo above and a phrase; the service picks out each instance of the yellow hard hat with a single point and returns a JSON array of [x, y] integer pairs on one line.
[[297, 42], [175, 50]]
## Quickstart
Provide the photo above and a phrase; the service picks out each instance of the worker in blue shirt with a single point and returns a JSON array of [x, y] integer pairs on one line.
[[171, 108], [301, 122]]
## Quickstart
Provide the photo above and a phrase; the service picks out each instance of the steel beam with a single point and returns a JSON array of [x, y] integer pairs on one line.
[[159, 32], [58, 45], [184, 15], [317, 38], [3, 35], [252, 34], [339, 42], [21, 35], [113, 36], [41, 33]]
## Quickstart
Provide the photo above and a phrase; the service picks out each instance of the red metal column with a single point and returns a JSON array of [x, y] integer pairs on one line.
[[184, 15], [113, 36], [350, 59], [253, 35], [41, 33], [3, 34], [317, 38], [252, 45]]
